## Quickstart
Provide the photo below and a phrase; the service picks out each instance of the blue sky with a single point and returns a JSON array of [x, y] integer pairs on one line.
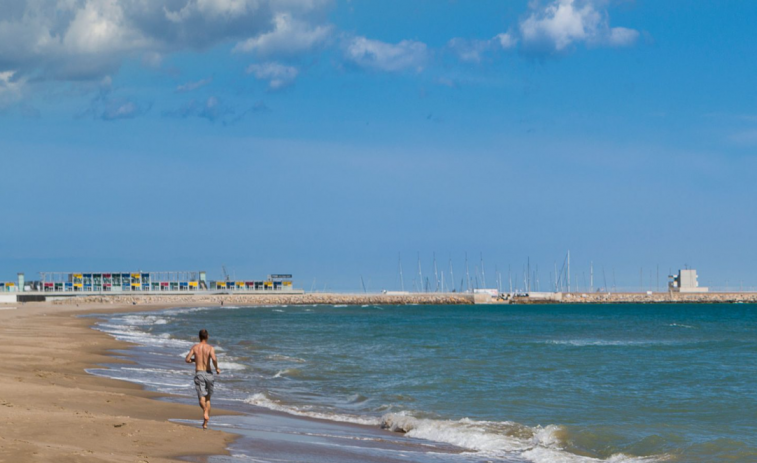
[[325, 138]]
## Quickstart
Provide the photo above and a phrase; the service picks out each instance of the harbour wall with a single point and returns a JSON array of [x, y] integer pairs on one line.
[[275, 299], [636, 298], [410, 299]]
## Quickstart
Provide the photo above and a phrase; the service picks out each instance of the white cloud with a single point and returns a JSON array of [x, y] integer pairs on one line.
[[289, 36], [7, 85], [468, 50], [506, 40], [211, 8], [127, 110], [622, 37], [277, 75], [382, 56], [87, 39], [473, 51], [190, 86], [10, 89], [554, 28]]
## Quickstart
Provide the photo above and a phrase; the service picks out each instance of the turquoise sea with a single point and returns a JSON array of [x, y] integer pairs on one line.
[[542, 383]]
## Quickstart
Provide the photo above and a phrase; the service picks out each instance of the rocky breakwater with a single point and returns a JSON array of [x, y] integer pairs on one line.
[[273, 299], [641, 298]]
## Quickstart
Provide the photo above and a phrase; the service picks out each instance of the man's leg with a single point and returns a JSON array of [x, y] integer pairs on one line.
[[206, 410]]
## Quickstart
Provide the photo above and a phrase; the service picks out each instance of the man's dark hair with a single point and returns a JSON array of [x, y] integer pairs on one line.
[[203, 335]]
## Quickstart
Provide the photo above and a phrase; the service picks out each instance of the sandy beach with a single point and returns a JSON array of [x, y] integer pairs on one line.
[[52, 410]]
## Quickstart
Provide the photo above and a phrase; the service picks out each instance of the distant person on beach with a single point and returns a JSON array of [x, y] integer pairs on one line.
[[201, 354]]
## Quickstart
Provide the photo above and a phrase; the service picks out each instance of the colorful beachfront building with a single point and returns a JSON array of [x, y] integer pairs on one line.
[[12, 286], [8, 287], [167, 281]]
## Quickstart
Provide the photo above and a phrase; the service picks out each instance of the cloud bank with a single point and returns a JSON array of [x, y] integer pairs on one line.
[[88, 39]]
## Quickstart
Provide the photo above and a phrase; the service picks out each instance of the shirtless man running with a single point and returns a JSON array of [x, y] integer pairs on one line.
[[201, 354]]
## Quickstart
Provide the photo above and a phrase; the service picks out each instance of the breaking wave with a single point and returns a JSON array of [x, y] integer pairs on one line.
[[493, 439]]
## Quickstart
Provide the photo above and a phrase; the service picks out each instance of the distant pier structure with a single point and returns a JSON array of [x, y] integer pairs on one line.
[[686, 282]]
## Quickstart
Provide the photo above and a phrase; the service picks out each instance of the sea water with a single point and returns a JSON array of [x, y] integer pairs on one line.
[[510, 383]]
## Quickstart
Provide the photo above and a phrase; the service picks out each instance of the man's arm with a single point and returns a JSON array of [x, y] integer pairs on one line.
[[190, 354], [215, 361]]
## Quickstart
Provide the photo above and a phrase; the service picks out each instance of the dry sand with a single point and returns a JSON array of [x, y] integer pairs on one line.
[[51, 410]]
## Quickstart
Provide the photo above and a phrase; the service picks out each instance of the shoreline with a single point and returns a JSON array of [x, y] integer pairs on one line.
[[266, 433], [56, 411]]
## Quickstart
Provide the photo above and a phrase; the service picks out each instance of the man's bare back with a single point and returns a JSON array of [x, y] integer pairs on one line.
[[202, 354]]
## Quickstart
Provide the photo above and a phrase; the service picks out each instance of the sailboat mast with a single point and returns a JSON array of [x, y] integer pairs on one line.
[[568, 270], [420, 274], [451, 274], [483, 273], [528, 275], [402, 279], [467, 273], [557, 279], [436, 274]]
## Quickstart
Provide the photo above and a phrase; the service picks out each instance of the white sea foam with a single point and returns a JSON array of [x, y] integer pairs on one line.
[[604, 343], [285, 358], [278, 310], [223, 365], [227, 362], [142, 320], [159, 371], [148, 382], [129, 334], [287, 372], [261, 400], [497, 439], [549, 455], [681, 325]]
